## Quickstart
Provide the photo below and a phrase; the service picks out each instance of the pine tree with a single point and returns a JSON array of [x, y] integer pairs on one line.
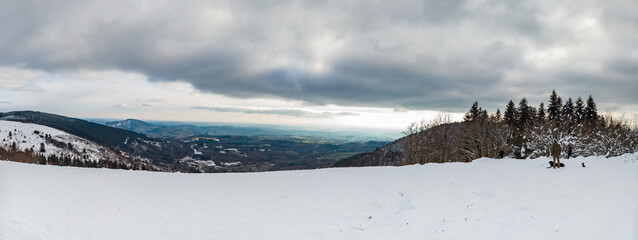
[[53, 159], [524, 113], [532, 114], [498, 115], [78, 162], [540, 117], [560, 107], [554, 107], [42, 159], [591, 113], [42, 147], [579, 110], [510, 116], [66, 161], [474, 113], [568, 110]]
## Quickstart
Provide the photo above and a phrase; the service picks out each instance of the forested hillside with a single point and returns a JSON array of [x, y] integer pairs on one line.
[[131, 144], [522, 131]]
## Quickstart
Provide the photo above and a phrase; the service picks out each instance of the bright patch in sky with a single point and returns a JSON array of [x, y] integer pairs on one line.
[[111, 94]]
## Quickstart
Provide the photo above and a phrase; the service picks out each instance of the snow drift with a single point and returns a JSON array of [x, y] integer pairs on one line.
[[484, 199]]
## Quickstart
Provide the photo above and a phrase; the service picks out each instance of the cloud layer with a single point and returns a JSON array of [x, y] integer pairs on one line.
[[400, 54], [284, 112]]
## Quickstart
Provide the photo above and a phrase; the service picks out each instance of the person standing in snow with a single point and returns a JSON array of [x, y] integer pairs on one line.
[[555, 151], [569, 151]]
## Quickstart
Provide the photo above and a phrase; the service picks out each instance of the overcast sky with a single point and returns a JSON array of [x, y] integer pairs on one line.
[[378, 64]]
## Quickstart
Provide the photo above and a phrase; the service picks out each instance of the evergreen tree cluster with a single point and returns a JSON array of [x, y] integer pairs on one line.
[[523, 131], [66, 160], [525, 124], [475, 113], [556, 113]]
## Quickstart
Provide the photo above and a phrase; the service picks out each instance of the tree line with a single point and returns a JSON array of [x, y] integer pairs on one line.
[[29, 155], [525, 115], [522, 131]]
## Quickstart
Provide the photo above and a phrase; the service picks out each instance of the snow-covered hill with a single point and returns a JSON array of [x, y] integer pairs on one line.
[[484, 199], [31, 136]]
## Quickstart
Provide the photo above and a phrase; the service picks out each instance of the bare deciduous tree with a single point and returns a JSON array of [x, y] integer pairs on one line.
[[429, 141]]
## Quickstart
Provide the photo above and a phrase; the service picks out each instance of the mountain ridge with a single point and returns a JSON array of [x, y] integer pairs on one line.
[[131, 144]]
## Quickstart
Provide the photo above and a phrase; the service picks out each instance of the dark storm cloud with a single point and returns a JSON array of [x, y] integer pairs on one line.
[[285, 112], [399, 54]]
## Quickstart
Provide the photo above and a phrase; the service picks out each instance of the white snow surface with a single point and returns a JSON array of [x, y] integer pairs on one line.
[[485, 199]]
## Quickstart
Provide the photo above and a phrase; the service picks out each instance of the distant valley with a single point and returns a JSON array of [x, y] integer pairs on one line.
[[135, 144], [181, 130], [255, 148]]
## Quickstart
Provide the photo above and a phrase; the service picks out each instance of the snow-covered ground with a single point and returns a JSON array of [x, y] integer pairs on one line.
[[485, 199], [30, 136]]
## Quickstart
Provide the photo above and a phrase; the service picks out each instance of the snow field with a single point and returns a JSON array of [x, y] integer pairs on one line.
[[485, 199]]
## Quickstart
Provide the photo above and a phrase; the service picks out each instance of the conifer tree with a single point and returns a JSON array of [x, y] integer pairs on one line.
[[474, 113], [524, 113], [42, 159], [560, 107], [78, 162], [579, 110], [65, 161], [498, 115], [568, 110], [510, 116], [554, 107], [591, 113], [53, 159], [540, 117], [483, 115], [532, 113]]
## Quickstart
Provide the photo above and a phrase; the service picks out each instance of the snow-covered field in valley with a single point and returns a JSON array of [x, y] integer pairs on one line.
[[485, 199]]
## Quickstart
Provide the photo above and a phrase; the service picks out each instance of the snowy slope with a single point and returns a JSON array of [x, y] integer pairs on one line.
[[27, 136], [485, 199]]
